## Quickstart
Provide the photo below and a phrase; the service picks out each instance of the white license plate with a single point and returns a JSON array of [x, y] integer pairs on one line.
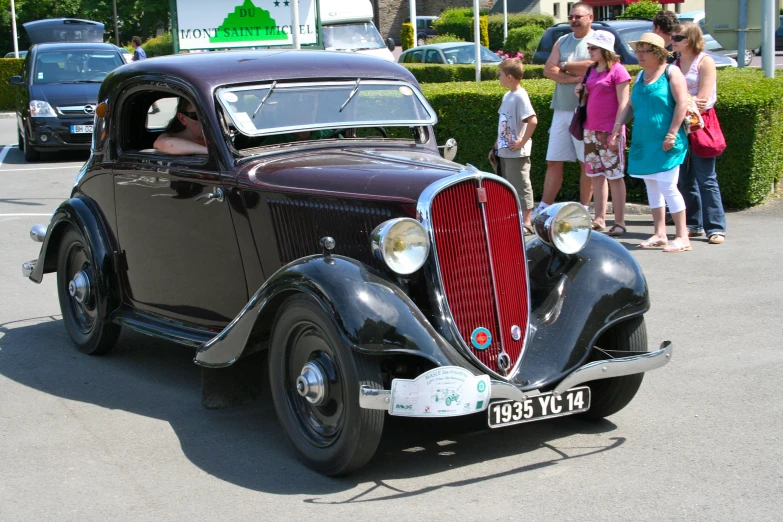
[[546, 405], [81, 129]]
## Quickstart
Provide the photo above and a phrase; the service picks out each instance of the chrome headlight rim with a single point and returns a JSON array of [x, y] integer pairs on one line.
[[545, 220], [384, 232]]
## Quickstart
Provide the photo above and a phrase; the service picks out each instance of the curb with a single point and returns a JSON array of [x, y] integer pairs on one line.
[[7, 115]]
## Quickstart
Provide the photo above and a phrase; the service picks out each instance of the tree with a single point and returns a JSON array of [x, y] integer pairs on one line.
[[641, 9]]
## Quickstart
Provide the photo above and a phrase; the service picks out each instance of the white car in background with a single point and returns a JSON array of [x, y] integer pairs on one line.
[[710, 43]]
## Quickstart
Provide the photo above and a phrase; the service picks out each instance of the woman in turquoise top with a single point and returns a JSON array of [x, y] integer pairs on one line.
[[658, 104]]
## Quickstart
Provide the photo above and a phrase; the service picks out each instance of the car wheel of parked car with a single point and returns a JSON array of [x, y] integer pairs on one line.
[[20, 140], [315, 378], [79, 296], [748, 57], [30, 154], [612, 395], [421, 41]]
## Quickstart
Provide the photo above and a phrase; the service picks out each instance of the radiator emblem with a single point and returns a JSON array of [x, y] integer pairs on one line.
[[481, 338], [516, 332]]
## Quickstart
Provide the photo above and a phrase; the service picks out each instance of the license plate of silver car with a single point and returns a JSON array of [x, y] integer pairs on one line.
[[81, 129], [544, 406]]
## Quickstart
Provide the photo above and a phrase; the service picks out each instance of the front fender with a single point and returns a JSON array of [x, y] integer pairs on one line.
[[80, 214], [573, 300], [373, 315]]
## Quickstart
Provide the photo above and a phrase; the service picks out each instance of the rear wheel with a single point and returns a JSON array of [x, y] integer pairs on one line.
[[748, 57], [421, 41], [315, 378], [612, 395], [79, 296]]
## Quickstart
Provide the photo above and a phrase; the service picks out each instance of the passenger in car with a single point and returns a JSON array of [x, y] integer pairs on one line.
[[183, 134]]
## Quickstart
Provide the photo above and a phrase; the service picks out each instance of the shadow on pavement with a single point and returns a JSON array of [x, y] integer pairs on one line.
[[244, 445], [16, 157]]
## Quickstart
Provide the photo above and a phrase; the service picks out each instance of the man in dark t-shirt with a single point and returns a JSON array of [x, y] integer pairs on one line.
[[138, 52], [663, 25]]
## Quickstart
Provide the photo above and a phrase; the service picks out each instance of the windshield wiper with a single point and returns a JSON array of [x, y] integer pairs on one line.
[[271, 89], [353, 93]]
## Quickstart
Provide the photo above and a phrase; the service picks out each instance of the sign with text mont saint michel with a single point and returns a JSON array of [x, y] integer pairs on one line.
[[220, 24]]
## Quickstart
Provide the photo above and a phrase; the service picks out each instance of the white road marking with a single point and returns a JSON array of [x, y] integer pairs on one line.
[[18, 215], [40, 168], [4, 152]]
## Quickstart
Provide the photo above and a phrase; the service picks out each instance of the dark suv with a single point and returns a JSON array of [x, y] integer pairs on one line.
[[58, 88], [624, 31]]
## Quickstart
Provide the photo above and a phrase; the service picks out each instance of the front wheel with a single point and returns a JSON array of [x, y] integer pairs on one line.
[[30, 154], [748, 57], [612, 395], [79, 296], [315, 377]]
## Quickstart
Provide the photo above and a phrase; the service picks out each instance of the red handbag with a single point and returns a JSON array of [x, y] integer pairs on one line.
[[709, 141]]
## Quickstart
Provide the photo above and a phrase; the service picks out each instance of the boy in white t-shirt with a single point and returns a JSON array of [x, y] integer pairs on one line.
[[516, 123]]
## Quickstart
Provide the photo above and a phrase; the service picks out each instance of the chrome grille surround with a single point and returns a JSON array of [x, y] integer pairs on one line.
[[424, 214]]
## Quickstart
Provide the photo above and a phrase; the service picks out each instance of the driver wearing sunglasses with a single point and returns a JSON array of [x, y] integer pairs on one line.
[[183, 134]]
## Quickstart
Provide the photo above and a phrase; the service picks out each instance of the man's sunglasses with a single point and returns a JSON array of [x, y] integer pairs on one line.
[[679, 37], [192, 115], [576, 17]]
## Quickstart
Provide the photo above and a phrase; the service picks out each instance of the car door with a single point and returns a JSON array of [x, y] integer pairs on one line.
[[174, 223], [433, 56]]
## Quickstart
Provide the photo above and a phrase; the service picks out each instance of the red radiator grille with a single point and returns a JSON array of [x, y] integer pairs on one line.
[[466, 237]]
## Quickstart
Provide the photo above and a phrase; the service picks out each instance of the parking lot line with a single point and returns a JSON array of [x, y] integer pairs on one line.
[[41, 168], [4, 152], [19, 215]]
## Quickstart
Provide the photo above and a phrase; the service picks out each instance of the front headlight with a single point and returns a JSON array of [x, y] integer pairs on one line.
[[566, 226], [402, 244], [41, 109]]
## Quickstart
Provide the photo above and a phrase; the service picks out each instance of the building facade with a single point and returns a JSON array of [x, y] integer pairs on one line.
[[391, 14]]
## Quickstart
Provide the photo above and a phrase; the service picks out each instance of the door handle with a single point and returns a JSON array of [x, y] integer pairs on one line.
[[212, 196]]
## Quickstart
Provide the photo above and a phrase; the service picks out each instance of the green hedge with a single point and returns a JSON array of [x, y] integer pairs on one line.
[[459, 22], [407, 37], [515, 21], [750, 108], [9, 67], [523, 40], [432, 73]]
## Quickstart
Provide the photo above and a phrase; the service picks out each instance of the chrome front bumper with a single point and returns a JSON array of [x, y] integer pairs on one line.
[[37, 234], [373, 399], [28, 267]]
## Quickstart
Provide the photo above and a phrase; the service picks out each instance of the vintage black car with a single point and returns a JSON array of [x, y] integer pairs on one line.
[[324, 233]]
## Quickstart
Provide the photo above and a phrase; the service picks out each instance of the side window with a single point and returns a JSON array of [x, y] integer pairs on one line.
[[420, 25], [160, 113], [433, 56], [406, 58], [556, 13], [416, 57]]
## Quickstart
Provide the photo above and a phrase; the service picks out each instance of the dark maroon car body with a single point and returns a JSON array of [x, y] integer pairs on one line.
[[206, 251]]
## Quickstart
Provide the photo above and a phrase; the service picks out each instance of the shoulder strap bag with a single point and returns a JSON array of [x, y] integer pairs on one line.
[[577, 128]]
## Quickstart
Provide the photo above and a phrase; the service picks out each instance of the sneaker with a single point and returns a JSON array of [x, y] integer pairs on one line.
[[695, 232]]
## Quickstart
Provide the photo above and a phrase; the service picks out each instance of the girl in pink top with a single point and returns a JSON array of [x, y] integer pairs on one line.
[[606, 92]]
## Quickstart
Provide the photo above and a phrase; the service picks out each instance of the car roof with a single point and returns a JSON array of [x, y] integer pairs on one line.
[[446, 45], [67, 46], [427, 17], [206, 71]]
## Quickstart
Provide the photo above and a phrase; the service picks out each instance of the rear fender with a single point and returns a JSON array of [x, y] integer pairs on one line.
[[78, 212], [372, 314], [574, 299]]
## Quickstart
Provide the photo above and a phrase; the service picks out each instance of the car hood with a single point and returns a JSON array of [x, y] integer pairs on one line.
[[64, 94], [367, 173], [722, 61]]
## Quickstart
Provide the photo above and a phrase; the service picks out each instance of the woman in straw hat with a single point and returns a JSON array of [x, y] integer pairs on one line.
[[698, 180], [607, 90], [659, 103]]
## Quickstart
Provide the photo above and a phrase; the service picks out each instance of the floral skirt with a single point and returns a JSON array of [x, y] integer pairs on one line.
[[599, 159]]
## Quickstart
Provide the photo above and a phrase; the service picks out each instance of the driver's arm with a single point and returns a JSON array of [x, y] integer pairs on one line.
[[179, 146]]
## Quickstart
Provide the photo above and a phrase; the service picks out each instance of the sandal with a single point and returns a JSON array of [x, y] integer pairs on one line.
[[597, 227], [716, 239], [529, 230], [651, 243], [676, 246], [616, 230]]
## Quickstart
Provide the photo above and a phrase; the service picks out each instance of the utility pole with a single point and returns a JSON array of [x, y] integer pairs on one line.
[[477, 38], [412, 5], [295, 24], [13, 29], [116, 26]]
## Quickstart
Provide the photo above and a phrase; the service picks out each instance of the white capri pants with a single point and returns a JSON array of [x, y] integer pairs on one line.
[[660, 192]]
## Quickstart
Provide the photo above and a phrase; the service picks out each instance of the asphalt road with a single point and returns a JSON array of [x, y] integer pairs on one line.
[[124, 437]]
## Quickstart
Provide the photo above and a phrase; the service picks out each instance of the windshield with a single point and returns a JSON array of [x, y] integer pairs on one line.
[[467, 54], [632, 34], [74, 66], [327, 105], [352, 37]]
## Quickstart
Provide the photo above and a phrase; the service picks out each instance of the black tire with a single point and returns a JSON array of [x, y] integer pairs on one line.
[[421, 41], [30, 154], [748, 57], [337, 437], [87, 330], [20, 139], [612, 395]]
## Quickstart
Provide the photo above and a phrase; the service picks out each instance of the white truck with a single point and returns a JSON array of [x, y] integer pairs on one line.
[[340, 25]]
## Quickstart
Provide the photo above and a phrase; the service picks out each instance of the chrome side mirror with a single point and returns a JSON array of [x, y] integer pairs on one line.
[[449, 149]]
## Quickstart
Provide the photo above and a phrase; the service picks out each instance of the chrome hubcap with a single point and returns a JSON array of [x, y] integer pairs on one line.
[[311, 383], [79, 287]]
